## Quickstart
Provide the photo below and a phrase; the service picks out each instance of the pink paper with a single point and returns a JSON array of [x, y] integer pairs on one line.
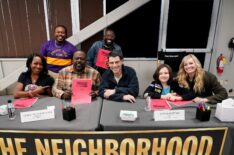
[[24, 103], [180, 103], [81, 89], [101, 60], [157, 104]]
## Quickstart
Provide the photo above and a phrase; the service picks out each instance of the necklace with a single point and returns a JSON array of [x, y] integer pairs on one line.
[[58, 45]]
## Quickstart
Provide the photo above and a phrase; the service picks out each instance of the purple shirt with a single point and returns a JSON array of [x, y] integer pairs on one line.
[[57, 56]]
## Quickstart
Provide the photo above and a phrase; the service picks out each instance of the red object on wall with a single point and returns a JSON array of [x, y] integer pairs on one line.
[[221, 60]]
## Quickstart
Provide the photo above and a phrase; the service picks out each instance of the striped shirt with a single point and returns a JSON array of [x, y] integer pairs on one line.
[[57, 57], [67, 74]]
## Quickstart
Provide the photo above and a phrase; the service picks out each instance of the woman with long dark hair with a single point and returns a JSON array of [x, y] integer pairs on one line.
[[35, 81]]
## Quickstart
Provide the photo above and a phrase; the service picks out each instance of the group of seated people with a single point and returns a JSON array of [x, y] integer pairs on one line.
[[120, 82], [51, 73]]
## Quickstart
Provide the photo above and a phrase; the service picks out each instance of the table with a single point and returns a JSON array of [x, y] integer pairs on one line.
[[110, 120], [87, 116]]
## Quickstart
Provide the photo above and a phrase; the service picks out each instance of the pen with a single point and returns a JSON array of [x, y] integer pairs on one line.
[[208, 108], [203, 108]]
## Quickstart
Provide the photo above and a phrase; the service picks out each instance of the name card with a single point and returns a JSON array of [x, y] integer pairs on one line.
[[127, 115], [169, 115], [37, 115]]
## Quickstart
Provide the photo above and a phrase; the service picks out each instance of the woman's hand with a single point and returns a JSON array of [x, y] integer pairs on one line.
[[166, 97], [175, 98], [39, 90], [200, 100]]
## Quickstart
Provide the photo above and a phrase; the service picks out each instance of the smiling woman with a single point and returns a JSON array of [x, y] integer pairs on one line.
[[35, 81], [200, 83]]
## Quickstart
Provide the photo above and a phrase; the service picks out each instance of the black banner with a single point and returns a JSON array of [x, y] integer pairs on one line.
[[200, 141]]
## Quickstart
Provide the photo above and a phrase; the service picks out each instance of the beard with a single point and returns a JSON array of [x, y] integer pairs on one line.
[[79, 67]]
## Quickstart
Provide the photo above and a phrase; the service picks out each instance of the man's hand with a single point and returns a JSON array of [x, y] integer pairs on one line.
[[93, 94], [66, 95], [109, 92], [129, 98]]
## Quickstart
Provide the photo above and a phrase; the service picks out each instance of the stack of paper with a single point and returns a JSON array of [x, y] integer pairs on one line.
[[225, 110], [3, 110], [24, 102]]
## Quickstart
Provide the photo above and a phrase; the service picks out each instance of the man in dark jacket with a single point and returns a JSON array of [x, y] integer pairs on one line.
[[108, 43], [120, 82]]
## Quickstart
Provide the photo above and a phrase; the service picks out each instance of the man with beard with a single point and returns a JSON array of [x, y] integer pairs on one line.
[[120, 82], [57, 51], [79, 70], [107, 44]]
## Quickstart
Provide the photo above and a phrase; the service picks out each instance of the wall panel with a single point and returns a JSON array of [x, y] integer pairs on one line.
[[59, 12], [23, 27], [90, 11]]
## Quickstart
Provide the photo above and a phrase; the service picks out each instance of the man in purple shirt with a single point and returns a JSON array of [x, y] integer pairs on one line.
[[58, 52]]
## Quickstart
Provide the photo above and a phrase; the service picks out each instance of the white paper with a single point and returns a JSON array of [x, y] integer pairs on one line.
[[169, 115], [224, 114], [127, 115], [228, 103], [3, 110], [37, 115], [51, 107]]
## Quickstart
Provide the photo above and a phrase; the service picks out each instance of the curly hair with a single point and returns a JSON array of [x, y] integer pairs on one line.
[[156, 73], [29, 62], [182, 76]]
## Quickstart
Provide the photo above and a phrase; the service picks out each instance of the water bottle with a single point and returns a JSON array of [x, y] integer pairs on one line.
[[148, 104], [11, 110]]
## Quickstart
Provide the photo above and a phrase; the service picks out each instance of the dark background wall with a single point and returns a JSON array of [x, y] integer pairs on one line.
[[23, 28], [90, 11]]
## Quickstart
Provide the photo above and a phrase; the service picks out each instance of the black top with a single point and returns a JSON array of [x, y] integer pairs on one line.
[[43, 80]]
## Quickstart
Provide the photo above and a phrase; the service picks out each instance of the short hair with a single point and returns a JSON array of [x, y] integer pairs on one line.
[[156, 74], [30, 59], [109, 29], [114, 54], [64, 27], [80, 51]]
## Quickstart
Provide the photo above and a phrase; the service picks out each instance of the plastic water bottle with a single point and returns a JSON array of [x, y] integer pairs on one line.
[[148, 104], [11, 110]]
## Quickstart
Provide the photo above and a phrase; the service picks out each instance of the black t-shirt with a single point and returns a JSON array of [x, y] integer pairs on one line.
[[43, 80]]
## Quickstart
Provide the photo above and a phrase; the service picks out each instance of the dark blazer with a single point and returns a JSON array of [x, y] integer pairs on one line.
[[212, 89]]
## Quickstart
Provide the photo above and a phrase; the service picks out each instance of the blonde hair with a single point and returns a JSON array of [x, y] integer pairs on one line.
[[198, 77]]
